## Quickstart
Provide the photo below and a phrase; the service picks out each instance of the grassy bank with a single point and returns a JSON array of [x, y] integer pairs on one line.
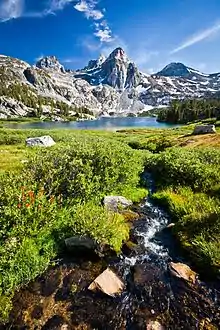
[[50, 194], [188, 182]]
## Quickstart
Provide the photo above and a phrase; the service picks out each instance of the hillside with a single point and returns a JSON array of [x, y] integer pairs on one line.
[[112, 85]]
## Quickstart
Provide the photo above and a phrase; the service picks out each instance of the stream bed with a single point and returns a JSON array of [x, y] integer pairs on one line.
[[153, 298]]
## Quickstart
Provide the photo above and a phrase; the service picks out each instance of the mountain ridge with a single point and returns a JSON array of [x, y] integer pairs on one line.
[[106, 85]]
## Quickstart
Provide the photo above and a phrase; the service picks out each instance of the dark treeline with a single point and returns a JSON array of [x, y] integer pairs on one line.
[[190, 110]]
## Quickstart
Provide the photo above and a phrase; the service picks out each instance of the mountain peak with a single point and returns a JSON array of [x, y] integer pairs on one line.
[[50, 62], [174, 69], [118, 53]]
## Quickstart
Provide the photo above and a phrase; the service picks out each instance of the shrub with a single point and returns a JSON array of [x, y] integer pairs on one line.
[[86, 169], [199, 169], [198, 223], [57, 196]]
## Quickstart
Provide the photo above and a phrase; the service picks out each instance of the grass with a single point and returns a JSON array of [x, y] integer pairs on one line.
[[58, 194], [197, 218]]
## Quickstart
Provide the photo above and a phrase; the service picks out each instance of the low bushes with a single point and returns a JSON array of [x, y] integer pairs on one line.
[[87, 169], [197, 226], [197, 168], [189, 185], [57, 196]]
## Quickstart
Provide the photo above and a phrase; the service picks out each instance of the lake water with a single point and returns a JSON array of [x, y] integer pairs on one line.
[[103, 123]]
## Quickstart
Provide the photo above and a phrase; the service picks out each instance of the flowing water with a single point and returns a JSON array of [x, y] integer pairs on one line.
[[60, 298]]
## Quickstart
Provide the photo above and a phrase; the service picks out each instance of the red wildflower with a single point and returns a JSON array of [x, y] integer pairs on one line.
[[31, 193], [27, 205], [51, 199]]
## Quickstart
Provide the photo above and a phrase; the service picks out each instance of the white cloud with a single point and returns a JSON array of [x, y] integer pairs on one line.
[[104, 35], [10, 9], [197, 37], [38, 58], [55, 5], [102, 29], [69, 60], [88, 8]]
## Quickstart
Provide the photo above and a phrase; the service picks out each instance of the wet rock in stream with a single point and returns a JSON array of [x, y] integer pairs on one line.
[[152, 297]]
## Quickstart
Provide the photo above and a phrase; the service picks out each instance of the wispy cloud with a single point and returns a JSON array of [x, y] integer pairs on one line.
[[55, 5], [197, 37], [88, 7], [70, 60], [10, 9], [38, 58], [101, 26]]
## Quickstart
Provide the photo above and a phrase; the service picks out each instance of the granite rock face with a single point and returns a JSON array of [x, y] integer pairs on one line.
[[112, 85], [50, 62]]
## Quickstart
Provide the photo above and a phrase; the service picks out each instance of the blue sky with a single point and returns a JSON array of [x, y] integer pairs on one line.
[[152, 32]]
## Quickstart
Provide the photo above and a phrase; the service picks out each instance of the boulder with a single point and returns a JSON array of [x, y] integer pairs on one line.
[[130, 216], [79, 242], [204, 129], [115, 203], [145, 274], [182, 271], [170, 225], [41, 141], [107, 282], [154, 325]]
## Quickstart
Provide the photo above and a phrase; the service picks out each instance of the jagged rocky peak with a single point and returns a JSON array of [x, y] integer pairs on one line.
[[50, 62], [119, 72], [94, 64], [118, 54], [101, 59]]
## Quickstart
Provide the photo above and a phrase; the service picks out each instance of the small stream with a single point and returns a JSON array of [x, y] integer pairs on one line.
[[60, 299]]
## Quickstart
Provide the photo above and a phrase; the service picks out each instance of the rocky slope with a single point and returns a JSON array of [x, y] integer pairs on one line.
[[111, 85]]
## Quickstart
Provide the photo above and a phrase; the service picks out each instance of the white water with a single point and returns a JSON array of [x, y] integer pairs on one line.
[[150, 226]]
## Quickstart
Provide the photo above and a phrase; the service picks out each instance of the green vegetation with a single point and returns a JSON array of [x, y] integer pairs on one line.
[[190, 111], [50, 194], [27, 95], [56, 195], [188, 182]]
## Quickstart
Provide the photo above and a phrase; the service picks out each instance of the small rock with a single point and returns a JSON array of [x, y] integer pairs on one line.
[[129, 247], [171, 225], [145, 273], [183, 271], [79, 242], [41, 141], [204, 129], [130, 216], [108, 282], [57, 118], [115, 203], [154, 325]]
